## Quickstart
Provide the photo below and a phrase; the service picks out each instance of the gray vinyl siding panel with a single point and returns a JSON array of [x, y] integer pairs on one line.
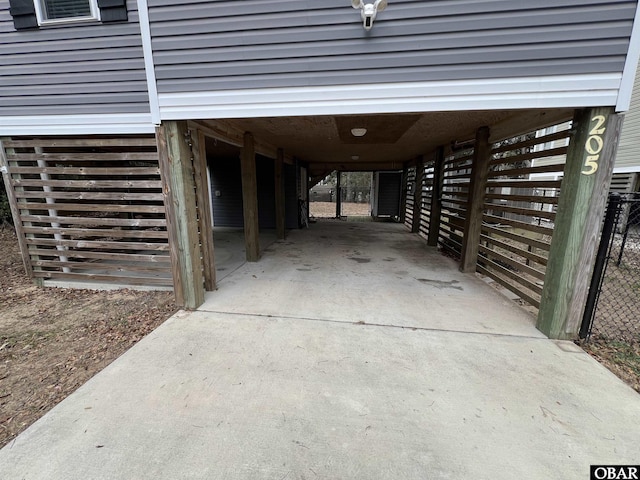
[[81, 69], [629, 148], [226, 178], [208, 46]]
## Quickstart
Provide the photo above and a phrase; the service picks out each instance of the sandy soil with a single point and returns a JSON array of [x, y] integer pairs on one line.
[[53, 340]]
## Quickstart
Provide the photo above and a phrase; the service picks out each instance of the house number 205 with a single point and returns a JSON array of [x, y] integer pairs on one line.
[[594, 145]]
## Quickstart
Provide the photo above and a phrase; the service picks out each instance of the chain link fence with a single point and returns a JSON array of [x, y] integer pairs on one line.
[[615, 314]]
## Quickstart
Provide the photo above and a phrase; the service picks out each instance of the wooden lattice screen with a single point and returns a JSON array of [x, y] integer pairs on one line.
[[89, 209], [455, 193], [519, 212]]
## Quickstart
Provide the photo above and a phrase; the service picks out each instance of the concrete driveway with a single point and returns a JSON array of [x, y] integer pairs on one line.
[[350, 351]]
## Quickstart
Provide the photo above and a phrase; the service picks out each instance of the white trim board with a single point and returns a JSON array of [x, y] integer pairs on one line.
[[149, 67], [565, 91], [630, 66], [107, 124]]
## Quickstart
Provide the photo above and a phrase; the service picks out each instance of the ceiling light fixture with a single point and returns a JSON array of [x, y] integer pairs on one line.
[[358, 132]]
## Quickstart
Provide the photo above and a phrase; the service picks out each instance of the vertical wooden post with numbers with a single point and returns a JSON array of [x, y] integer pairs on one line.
[[587, 175]]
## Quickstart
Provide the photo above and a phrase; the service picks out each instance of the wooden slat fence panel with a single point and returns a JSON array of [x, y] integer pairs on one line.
[[411, 179], [455, 188], [90, 209], [426, 199], [520, 207]]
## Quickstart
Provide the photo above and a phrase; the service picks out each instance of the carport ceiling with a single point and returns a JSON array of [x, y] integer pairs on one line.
[[326, 142]]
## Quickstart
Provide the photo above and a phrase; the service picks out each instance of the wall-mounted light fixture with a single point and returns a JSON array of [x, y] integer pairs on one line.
[[358, 132], [369, 11]]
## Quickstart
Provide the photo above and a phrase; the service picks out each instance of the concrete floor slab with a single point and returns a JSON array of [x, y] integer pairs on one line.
[[242, 397], [331, 394], [376, 273]]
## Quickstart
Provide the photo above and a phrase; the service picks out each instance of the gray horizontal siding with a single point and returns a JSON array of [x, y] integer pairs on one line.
[[72, 69], [250, 44], [629, 148]]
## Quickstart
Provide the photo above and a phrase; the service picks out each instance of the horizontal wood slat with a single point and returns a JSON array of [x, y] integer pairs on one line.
[[128, 257], [524, 183], [102, 278], [136, 184], [518, 224], [82, 142], [523, 198], [88, 171], [96, 232], [553, 152], [531, 142], [98, 245], [118, 196], [86, 157], [513, 172], [92, 207], [97, 221], [525, 212]]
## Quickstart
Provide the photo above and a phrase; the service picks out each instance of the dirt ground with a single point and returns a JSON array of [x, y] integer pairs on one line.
[[53, 340]]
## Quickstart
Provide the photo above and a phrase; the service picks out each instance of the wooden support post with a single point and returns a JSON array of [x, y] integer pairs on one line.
[[176, 170], [280, 195], [338, 194], [436, 198], [587, 175], [417, 196], [203, 197], [475, 202], [250, 198], [403, 193]]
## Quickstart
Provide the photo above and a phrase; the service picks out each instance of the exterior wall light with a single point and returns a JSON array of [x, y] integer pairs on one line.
[[358, 132], [369, 11]]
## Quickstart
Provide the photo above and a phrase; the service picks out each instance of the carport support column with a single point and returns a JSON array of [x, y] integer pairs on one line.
[[250, 198], [203, 197], [417, 196], [178, 186], [436, 198], [583, 196], [475, 202], [280, 200]]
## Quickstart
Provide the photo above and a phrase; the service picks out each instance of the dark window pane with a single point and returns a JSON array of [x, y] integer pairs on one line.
[[55, 9]]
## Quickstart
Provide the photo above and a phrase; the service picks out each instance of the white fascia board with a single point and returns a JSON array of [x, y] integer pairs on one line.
[[571, 91], [108, 124], [149, 67], [630, 66]]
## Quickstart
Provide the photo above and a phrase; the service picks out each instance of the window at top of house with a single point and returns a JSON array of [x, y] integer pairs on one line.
[[56, 11]]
